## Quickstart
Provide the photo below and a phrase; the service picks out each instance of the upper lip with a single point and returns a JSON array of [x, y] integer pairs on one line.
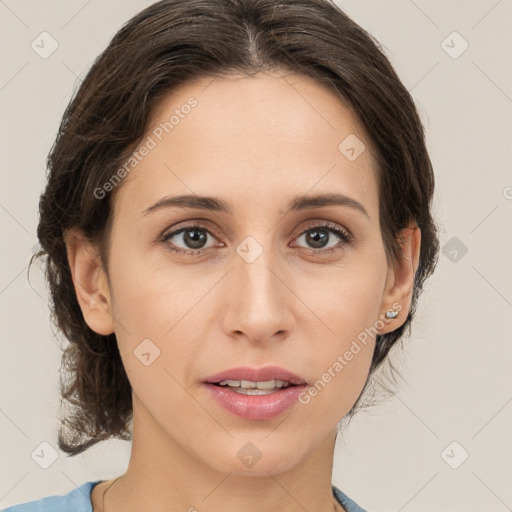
[[256, 375]]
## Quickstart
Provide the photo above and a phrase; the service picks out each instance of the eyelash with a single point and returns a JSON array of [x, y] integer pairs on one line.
[[345, 236]]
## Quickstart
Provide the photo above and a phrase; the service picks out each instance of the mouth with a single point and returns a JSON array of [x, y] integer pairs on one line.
[[248, 378], [256, 393], [248, 387]]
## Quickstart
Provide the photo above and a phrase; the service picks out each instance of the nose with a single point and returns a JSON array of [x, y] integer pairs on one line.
[[260, 300]]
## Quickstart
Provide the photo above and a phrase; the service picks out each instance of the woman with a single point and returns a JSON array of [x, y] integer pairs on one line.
[[237, 223]]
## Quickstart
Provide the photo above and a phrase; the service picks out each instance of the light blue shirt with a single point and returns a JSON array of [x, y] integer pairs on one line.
[[79, 500]]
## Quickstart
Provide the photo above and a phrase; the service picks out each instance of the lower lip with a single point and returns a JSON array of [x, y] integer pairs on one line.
[[256, 407]]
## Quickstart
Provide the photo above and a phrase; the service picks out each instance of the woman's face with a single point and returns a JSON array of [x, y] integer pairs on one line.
[[263, 275]]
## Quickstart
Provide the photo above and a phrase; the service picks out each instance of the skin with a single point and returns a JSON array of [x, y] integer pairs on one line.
[[255, 143]]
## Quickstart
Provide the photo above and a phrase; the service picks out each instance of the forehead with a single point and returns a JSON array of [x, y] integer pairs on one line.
[[245, 138]]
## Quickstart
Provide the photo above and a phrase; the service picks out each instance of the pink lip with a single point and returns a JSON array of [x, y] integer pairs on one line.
[[257, 375], [256, 407]]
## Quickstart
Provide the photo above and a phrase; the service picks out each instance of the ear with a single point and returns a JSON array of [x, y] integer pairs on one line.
[[400, 280], [90, 282]]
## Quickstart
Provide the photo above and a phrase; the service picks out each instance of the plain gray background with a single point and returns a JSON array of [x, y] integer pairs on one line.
[[408, 454]]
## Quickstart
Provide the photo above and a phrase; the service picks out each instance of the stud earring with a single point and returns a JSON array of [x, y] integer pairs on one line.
[[391, 313]]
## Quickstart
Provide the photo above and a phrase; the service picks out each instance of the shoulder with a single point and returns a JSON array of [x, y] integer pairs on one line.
[[348, 504], [77, 500]]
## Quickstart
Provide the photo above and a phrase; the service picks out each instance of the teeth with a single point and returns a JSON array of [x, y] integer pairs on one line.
[[269, 384], [243, 391], [249, 384]]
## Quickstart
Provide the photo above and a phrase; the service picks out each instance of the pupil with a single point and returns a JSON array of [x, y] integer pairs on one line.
[[195, 242], [318, 238]]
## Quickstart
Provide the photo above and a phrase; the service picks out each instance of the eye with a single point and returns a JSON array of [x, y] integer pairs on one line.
[[193, 240], [319, 238]]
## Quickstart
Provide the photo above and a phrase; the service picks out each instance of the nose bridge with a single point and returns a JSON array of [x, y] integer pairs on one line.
[[260, 305], [255, 268]]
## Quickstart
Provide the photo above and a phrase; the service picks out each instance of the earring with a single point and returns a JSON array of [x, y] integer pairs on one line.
[[392, 313]]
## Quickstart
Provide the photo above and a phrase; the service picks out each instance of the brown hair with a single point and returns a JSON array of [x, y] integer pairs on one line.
[[169, 44]]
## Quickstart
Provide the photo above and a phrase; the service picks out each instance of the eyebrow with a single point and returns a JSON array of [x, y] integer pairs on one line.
[[218, 205]]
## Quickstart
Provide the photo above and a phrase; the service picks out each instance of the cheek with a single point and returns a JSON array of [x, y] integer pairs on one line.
[[155, 337], [149, 299], [156, 320], [341, 367], [347, 297], [348, 304]]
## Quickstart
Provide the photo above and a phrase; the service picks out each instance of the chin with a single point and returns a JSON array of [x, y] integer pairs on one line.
[[255, 457]]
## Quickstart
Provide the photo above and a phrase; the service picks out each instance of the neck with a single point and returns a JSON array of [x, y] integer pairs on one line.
[[164, 475]]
